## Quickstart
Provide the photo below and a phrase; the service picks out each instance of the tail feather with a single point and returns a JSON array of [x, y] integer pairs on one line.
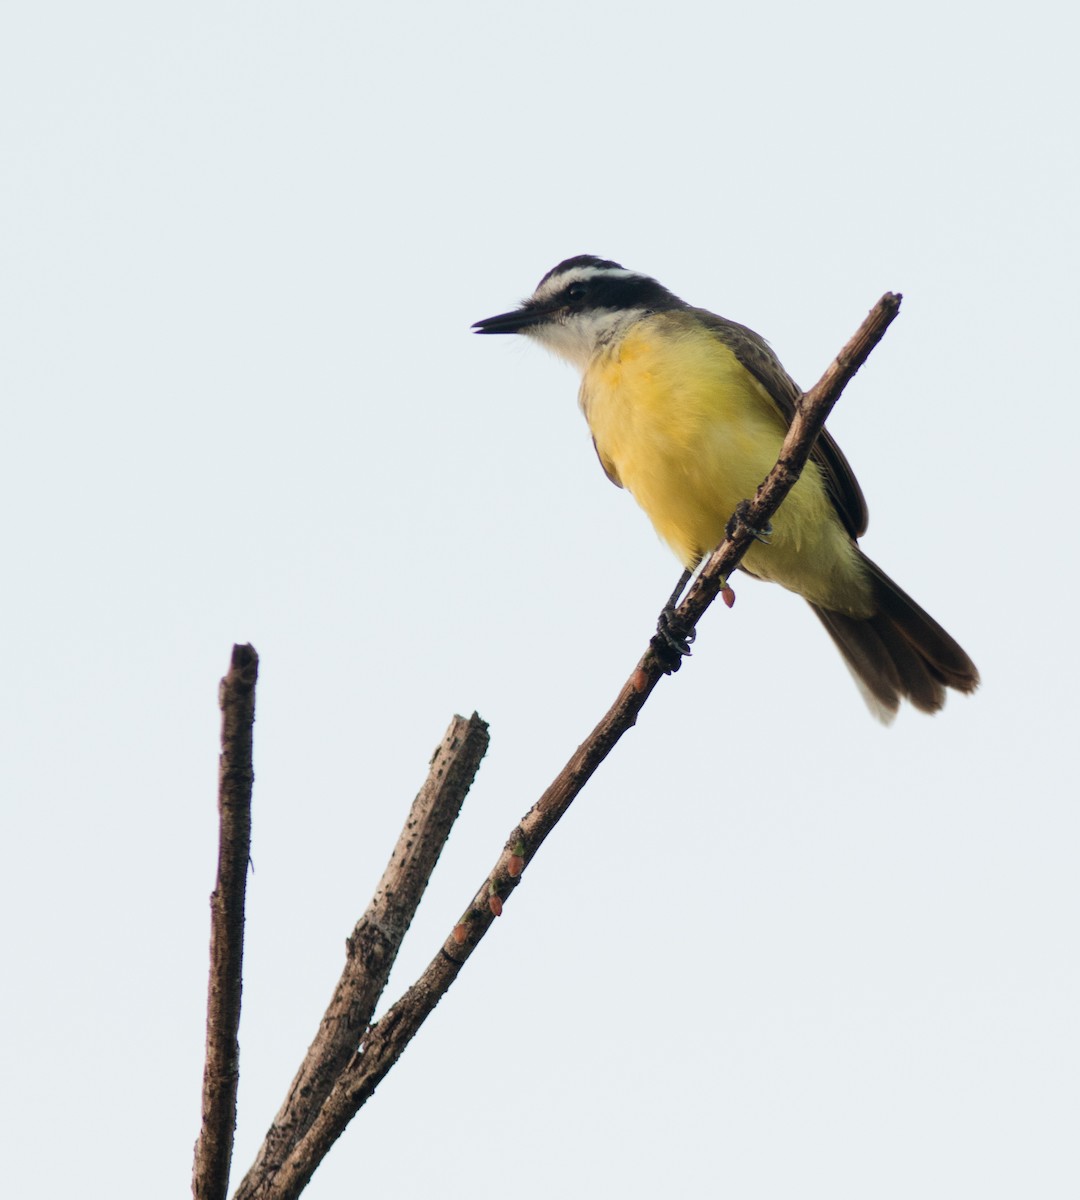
[[900, 652]]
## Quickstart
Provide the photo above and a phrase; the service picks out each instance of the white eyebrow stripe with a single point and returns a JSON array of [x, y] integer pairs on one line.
[[554, 285]]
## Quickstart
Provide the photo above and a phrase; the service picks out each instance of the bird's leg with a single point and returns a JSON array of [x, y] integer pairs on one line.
[[672, 639]]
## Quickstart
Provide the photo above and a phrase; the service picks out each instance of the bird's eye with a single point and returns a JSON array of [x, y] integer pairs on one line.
[[576, 291]]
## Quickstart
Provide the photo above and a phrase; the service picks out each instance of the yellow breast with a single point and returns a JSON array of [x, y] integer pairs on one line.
[[691, 433]]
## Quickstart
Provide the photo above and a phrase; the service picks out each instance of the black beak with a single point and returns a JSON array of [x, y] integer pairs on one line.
[[510, 322]]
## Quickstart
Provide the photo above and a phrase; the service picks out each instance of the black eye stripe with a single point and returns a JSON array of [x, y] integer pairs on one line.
[[616, 291]]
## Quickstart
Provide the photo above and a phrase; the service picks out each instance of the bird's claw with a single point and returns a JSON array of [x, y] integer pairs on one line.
[[739, 518], [672, 641]]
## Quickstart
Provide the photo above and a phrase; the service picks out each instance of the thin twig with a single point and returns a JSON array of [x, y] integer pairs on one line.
[[374, 944], [213, 1151], [386, 1041]]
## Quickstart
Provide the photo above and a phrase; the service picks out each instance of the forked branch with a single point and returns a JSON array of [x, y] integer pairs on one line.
[[384, 1043], [374, 944]]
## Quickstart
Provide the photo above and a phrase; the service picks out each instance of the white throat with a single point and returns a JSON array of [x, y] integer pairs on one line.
[[577, 338]]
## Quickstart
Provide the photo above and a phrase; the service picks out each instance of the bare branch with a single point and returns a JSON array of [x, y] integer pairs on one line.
[[374, 944], [387, 1040], [213, 1151]]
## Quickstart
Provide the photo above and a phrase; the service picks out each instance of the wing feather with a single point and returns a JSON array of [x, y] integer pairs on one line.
[[757, 356]]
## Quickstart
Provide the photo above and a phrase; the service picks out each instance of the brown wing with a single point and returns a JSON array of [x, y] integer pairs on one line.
[[608, 465], [756, 355]]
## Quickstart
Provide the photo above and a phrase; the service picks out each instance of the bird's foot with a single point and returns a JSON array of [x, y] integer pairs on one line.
[[672, 639], [739, 518]]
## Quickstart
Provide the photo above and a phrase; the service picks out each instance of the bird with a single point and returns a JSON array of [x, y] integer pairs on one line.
[[687, 412]]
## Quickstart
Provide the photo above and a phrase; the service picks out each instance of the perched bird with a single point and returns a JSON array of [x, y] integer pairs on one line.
[[688, 411]]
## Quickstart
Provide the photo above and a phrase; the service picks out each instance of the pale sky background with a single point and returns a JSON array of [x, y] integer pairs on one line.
[[774, 950]]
